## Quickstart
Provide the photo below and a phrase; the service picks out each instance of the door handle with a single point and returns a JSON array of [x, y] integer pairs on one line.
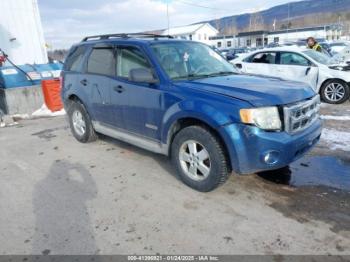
[[84, 82], [307, 70], [119, 89]]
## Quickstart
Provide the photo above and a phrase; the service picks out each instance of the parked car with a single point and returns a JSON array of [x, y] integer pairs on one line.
[[235, 52], [182, 99], [326, 48], [223, 52], [337, 47], [328, 78]]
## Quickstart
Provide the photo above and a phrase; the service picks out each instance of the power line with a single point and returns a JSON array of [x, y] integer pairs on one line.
[[201, 6]]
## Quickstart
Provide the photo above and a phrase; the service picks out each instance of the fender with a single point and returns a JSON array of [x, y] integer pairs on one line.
[[205, 113], [193, 109]]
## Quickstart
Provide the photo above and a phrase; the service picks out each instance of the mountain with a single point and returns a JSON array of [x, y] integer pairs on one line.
[[301, 13]]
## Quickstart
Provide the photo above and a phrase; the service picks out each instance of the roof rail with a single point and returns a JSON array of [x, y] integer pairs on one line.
[[123, 35]]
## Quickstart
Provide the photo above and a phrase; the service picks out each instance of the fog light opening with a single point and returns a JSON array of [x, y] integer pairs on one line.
[[271, 157]]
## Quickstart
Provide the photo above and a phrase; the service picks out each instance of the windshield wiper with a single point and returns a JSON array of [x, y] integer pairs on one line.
[[222, 73], [191, 76], [194, 76]]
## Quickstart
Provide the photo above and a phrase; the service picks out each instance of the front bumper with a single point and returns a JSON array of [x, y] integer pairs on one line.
[[249, 146]]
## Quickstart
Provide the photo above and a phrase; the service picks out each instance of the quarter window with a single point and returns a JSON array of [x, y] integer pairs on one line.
[[102, 61], [73, 62], [130, 58], [293, 59]]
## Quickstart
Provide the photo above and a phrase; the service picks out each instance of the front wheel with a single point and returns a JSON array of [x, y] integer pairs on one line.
[[335, 92], [199, 158]]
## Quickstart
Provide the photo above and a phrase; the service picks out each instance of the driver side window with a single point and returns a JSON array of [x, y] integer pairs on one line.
[[293, 59], [130, 58]]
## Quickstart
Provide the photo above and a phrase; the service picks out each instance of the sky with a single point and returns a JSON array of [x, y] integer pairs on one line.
[[68, 21]]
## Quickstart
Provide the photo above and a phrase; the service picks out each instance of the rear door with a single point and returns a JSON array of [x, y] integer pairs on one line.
[[142, 102], [296, 67], [100, 69], [262, 63]]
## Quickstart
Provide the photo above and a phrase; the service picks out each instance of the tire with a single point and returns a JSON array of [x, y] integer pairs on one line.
[[83, 135], [335, 92], [210, 172]]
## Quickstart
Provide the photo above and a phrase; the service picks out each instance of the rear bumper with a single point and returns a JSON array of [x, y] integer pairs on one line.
[[249, 146]]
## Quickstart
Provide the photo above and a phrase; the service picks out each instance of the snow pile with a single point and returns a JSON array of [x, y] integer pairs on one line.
[[45, 112], [336, 139], [340, 118]]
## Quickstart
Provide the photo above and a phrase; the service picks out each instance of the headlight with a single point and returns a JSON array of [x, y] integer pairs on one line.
[[341, 68], [266, 118], [337, 68]]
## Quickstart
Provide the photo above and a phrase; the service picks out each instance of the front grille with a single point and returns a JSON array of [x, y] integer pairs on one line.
[[301, 115]]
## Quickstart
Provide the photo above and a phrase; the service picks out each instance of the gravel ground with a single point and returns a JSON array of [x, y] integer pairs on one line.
[[62, 197]]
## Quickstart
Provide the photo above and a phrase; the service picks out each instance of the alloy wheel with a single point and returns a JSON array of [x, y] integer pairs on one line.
[[195, 160], [78, 123], [334, 92]]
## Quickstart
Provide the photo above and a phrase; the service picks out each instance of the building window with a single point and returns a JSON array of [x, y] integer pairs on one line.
[[229, 43], [249, 42], [266, 41], [258, 42], [191, 37], [205, 36], [219, 44], [276, 40]]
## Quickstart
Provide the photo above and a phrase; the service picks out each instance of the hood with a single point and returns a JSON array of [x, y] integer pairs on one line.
[[258, 91]]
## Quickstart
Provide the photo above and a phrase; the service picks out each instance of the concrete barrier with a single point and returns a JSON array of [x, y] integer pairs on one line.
[[21, 100]]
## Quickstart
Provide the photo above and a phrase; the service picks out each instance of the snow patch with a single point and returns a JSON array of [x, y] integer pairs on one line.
[[336, 139], [340, 118], [45, 112]]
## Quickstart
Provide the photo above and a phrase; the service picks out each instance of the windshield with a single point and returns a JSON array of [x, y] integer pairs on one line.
[[190, 60], [318, 57]]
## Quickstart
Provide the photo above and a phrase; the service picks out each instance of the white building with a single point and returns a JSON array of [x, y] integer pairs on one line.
[[263, 38], [224, 42], [197, 32], [327, 32], [21, 34]]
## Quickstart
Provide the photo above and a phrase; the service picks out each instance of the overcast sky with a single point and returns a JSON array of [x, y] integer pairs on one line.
[[68, 21]]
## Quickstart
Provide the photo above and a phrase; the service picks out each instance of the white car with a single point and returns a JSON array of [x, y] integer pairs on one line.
[[337, 47], [329, 78]]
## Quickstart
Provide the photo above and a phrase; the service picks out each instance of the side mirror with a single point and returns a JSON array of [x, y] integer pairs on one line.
[[142, 75], [239, 66]]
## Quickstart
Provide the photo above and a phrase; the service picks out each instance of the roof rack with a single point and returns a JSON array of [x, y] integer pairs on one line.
[[123, 35]]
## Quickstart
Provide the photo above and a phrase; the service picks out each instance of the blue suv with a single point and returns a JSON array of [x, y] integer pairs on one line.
[[184, 100]]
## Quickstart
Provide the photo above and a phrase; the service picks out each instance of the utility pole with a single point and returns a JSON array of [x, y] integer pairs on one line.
[[167, 15], [288, 21]]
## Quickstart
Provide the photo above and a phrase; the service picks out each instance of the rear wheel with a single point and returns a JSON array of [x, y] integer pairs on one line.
[[335, 92], [80, 123], [199, 158]]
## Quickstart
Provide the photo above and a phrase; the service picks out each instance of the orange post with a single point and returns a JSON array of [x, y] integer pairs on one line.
[[52, 94]]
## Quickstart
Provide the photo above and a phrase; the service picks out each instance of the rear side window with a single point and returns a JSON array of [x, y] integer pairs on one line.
[[102, 61], [73, 61], [294, 59], [264, 58], [130, 58]]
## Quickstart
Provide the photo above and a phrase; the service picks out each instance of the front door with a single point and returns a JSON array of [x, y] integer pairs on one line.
[[296, 67], [142, 102]]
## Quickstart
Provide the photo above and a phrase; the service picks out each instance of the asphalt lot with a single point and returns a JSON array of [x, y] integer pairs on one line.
[[61, 197]]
